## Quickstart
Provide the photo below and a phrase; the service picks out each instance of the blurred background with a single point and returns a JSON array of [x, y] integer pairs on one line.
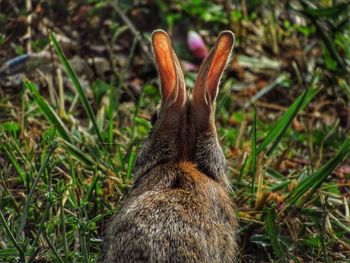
[[78, 89]]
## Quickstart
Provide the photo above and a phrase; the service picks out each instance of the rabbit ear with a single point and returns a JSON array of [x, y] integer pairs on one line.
[[172, 79], [207, 83]]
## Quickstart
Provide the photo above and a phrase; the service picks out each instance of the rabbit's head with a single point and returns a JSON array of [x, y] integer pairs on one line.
[[185, 126]]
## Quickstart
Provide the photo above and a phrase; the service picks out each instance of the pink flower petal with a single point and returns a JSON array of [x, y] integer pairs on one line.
[[196, 44]]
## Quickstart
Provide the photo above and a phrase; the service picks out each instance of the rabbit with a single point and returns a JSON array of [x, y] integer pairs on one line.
[[179, 208]]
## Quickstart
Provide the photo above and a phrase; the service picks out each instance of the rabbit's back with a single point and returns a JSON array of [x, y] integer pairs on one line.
[[177, 216]]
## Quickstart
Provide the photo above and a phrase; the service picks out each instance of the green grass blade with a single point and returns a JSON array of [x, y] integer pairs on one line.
[[77, 153], [41, 229], [312, 183], [14, 162], [243, 170], [285, 122], [253, 152], [73, 77], [114, 95], [8, 252], [32, 189], [332, 11], [64, 232], [131, 162], [272, 232], [12, 238], [325, 36], [328, 40], [48, 112], [115, 92], [90, 190], [54, 250], [82, 236], [278, 130], [136, 113]]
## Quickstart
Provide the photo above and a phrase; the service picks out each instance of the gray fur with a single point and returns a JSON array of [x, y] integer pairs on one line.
[[210, 158]]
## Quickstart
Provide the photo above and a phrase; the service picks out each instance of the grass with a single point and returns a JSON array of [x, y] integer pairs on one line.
[[63, 172]]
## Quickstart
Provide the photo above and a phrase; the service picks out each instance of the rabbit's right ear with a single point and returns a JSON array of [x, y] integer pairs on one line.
[[172, 79], [207, 82], [206, 86]]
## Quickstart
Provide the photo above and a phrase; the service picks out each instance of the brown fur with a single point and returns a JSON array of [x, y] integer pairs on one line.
[[179, 209]]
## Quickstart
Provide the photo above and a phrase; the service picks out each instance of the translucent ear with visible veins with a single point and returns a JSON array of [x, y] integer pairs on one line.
[[207, 83], [172, 79]]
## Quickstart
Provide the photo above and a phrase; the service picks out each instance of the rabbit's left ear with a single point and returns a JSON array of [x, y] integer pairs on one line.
[[172, 79], [207, 83]]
